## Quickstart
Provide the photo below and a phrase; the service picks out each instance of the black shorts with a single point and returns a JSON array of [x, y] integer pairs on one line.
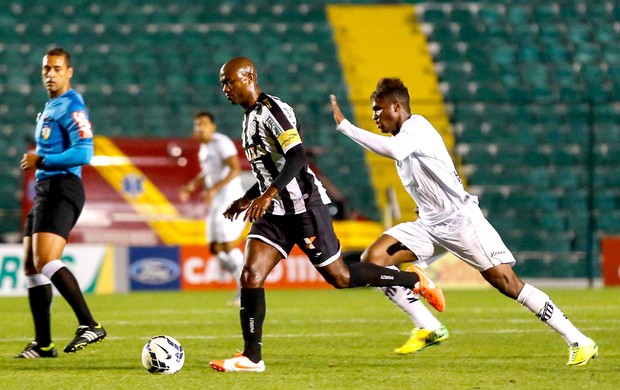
[[312, 231], [58, 203]]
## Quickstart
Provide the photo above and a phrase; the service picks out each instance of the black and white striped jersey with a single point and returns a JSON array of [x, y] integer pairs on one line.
[[270, 129]]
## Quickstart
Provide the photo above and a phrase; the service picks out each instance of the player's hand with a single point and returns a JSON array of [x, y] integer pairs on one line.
[[258, 207], [236, 208], [29, 161], [338, 116], [207, 195]]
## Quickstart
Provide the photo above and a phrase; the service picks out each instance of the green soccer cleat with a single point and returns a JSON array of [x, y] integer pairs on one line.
[[84, 336], [422, 338], [580, 355]]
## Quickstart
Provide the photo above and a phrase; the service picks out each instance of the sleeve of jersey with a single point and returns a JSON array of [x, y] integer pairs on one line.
[[395, 148], [228, 148], [80, 149], [295, 161]]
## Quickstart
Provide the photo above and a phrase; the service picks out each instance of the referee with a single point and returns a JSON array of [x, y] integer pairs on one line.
[[64, 140]]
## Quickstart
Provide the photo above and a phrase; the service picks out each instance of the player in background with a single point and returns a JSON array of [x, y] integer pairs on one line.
[[287, 206], [449, 217], [220, 183], [64, 142]]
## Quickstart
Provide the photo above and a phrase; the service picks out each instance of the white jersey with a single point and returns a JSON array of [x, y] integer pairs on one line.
[[212, 157], [423, 163]]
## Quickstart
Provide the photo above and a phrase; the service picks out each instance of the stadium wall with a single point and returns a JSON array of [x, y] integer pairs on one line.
[[108, 269]]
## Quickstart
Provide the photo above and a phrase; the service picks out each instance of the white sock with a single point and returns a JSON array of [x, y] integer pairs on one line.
[[37, 280], [409, 302], [541, 305], [232, 262], [236, 259], [51, 268]]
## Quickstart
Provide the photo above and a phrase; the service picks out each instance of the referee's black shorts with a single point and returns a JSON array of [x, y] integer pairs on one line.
[[312, 231], [58, 203]]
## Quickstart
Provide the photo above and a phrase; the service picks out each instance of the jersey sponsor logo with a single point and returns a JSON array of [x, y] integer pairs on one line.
[[274, 126], [254, 152], [83, 124], [289, 138]]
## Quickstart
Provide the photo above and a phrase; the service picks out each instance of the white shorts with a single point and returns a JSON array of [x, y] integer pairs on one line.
[[221, 229], [466, 233]]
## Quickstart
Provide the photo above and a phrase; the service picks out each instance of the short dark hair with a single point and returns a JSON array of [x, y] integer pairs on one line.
[[391, 88], [202, 113], [59, 51]]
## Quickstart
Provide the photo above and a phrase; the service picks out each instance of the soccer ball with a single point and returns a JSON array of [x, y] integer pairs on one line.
[[163, 355]]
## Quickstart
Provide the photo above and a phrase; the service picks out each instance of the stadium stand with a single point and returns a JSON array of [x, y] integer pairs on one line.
[[534, 94], [145, 66], [533, 90]]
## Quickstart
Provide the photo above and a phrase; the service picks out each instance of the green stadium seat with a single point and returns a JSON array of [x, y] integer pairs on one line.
[[434, 16]]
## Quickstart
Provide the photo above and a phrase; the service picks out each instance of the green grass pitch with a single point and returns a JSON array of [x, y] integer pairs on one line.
[[321, 339]]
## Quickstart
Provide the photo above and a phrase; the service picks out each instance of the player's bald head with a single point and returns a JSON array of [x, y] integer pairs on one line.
[[239, 81], [240, 66]]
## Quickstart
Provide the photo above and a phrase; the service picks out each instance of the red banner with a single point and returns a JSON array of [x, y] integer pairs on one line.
[[610, 247], [200, 270]]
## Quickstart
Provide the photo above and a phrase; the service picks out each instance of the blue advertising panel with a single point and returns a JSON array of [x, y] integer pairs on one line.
[[154, 268]]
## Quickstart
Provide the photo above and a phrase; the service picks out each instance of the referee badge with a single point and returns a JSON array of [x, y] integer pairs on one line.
[[45, 132]]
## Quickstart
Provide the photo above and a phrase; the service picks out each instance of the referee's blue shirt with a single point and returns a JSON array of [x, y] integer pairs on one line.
[[64, 136]]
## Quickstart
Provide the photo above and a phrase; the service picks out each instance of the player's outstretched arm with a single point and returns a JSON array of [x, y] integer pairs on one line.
[[338, 115]]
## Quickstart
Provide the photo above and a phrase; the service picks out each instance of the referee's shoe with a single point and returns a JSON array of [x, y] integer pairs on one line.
[[34, 351], [85, 335]]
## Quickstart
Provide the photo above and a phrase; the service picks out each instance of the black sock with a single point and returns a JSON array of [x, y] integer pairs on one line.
[[40, 298], [369, 274], [252, 314], [69, 288]]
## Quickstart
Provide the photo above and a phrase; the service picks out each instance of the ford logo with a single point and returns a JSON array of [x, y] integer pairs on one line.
[[154, 270]]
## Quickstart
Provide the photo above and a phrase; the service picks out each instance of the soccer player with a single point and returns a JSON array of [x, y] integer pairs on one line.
[[64, 142], [221, 184], [449, 217], [287, 206]]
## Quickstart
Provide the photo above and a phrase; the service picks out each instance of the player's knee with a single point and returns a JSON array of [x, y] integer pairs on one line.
[[38, 264], [252, 277], [374, 255], [339, 279], [340, 282], [30, 269]]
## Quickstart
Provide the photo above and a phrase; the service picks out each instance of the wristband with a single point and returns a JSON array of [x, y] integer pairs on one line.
[[40, 161]]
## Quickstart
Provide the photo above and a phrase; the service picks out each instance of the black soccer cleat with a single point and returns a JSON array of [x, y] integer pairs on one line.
[[84, 336], [33, 351]]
